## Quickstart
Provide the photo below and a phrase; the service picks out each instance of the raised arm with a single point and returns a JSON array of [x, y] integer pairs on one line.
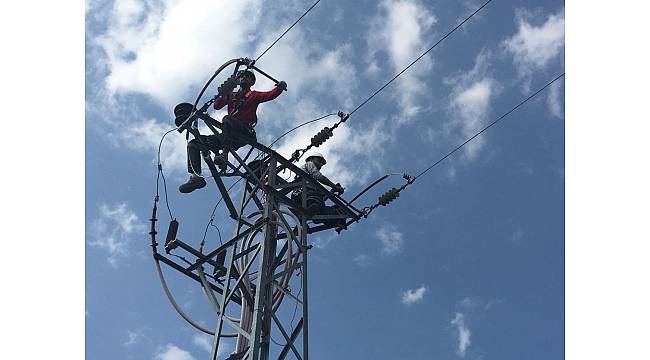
[[317, 175], [264, 96]]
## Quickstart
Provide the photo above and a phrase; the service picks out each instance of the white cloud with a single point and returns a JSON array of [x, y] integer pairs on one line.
[[554, 100], [165, 47], [392, 240], [401, 28], [475, 304], [112, 230], [166, 54], [464, 335], [172, 352], [470, 105], [517, 236], [146, 136], [321, 242], [469, 308], [345, 151], [470, 303], [412, 296], [205, 342], [134, 337], [361, 259], [533, 47]]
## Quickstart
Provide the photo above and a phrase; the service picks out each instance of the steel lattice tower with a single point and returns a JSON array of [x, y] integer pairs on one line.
[[253, 270]]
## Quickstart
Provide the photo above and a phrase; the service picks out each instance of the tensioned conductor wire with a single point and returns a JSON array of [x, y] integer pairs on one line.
[[490, 125], [286, 31], [421, 56]]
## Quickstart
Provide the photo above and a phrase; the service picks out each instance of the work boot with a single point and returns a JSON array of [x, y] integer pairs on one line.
[[195, 182], [221, 161]]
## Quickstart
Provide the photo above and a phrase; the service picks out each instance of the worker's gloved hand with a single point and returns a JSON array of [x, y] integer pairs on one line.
[[282, 85], [338, 189]]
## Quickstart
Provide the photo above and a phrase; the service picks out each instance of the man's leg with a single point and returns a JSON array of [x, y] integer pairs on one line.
[[333, 210], [193, 157], [196, 181]]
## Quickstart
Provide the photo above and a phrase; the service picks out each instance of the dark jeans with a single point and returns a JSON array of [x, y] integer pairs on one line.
[[212, 142], [235, 135], [316, 205]]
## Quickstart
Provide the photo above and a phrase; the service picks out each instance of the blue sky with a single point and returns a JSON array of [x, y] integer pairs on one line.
[[468, 263]]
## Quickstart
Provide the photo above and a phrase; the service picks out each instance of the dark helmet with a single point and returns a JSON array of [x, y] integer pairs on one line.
[[247, 74], [182, 111]]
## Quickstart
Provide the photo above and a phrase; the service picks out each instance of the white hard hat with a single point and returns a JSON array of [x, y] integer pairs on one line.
[[316, 154]]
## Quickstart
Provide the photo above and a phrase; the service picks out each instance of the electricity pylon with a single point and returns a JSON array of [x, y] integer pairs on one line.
[[252, 285]]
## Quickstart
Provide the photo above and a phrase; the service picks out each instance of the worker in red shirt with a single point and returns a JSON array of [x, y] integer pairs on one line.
[[238, 127]]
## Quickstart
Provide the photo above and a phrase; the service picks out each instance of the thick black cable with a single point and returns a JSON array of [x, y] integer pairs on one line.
[[160, 173], [419, 57], [490, 125], [286, 31]]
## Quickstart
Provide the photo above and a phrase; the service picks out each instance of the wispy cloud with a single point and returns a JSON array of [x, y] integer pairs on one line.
[[399, 29], [555, 101], [161, 48], [204, 342], [391, 239], [134, 337], [533, 47], [321, 242], [517, 236], [113, 229], [172, 352], [469, 308], [413, 296], [470, 104], [163, 54], [361, 260], [464, 335]]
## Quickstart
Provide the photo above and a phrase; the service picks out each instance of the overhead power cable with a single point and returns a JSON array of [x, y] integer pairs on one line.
[[393, 193], [421, 56], [490, 125], [328, 132], [299, 126], [286, 31]]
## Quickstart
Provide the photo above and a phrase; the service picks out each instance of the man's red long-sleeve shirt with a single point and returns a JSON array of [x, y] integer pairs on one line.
[[248, 108]]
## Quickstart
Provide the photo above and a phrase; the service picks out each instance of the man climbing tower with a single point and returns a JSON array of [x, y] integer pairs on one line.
[[315, 200], [238, 127]]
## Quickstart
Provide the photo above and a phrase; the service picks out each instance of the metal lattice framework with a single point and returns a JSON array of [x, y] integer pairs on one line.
[[251, 280], [250, 285]]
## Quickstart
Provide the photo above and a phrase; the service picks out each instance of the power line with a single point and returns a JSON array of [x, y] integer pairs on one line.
[[299, 126], [286, 31], [329, 131], [490, 125], [393, 193], [420, 57]]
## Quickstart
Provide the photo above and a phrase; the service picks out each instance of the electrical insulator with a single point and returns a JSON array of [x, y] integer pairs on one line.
[[228, 86], [388, 196], [321, 137]]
